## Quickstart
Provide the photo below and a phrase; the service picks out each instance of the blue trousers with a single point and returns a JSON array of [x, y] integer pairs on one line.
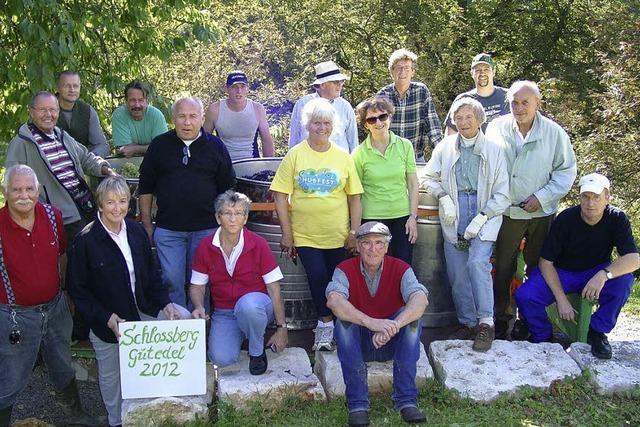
[[175, 252], [319, 265], [399, 246], [248, 319], [44, 327], [535, 295], [355, 348]]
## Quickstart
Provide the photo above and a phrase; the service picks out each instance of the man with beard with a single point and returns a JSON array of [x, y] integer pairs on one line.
[[492, 98], [134, 125]]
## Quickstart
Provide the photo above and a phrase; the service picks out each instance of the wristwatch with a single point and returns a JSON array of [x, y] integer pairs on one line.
[[283, 325], [608, 273]]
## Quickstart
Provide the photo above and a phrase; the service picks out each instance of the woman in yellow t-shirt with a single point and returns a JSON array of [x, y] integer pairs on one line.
[[324, 190], [386, 165]]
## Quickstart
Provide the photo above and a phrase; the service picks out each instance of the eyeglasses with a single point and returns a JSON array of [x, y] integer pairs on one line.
[[377, 244], [42, 110], [382, 117], [229, 214], [187, 154], [403, 68]]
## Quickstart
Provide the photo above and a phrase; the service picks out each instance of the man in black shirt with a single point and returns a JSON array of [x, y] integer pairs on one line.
[[185, 168], [576, 257]]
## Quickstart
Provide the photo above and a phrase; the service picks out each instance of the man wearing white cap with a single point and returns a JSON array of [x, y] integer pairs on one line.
[[328, 84], [576, 257], [492, 97]]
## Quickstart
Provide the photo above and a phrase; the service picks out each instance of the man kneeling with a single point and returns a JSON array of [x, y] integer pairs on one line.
[[378, 302], [576, 257], [245, 291]]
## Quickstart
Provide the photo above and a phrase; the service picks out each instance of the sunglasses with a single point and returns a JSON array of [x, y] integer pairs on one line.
[[186, 154], [382, 117]]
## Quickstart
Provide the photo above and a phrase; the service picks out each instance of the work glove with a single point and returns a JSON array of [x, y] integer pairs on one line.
[[448, 214], [474, 226]]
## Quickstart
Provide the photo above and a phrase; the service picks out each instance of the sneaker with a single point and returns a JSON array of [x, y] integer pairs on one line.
[[412, 415], [258, 364], [323, 339], [600, 347], [359, 419], [484, 338], [464, 332]]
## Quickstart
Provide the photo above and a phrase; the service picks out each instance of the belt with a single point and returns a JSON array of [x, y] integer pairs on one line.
[[467, 191], [40, 308]]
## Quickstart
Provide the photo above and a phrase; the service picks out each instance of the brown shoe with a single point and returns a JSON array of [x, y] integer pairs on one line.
[[464, 332], [484, 338]]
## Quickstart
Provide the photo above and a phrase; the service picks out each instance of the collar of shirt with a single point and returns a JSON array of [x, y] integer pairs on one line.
[[372, 282], [525, 139], [122, 234], [188, 142], [231, 261]]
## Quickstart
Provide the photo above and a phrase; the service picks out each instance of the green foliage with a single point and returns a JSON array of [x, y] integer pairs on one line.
[[108, 42]]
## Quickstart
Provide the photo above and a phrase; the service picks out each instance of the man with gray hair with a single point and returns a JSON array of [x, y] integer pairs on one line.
[[378, 303], [185, 169], [542, 168], [415, 116], [34, 314], [492, 98]]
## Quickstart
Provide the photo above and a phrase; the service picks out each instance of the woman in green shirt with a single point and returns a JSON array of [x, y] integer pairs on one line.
[[386, 166]]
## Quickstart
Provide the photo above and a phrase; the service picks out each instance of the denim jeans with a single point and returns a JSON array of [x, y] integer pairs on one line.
[[46, 328], [534, 296], [355, 348], [248, 319], [469, 271], [175, 252], [319, 265], [399, 245]]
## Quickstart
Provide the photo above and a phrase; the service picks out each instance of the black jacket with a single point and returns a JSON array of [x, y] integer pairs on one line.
[[98, 278]]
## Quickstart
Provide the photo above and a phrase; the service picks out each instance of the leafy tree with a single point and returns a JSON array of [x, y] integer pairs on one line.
[[108, 41]]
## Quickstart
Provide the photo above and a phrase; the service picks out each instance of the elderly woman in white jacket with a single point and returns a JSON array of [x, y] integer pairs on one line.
[[468, 174]]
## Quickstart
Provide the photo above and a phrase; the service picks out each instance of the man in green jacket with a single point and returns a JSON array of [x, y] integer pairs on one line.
[[542, 168]]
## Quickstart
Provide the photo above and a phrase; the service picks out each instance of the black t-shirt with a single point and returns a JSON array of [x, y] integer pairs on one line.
[[574, 245], [186, 193]]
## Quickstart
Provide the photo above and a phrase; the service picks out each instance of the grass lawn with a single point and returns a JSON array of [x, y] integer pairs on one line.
[[568, 403], [633, 303]]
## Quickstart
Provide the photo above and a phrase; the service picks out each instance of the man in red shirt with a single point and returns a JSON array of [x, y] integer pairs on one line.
[[378, 303], [33, 313]]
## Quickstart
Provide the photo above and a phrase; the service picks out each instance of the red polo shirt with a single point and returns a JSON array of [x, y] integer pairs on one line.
[[31, 257]]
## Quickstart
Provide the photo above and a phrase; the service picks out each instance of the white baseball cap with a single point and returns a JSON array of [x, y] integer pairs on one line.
[[593, 183]]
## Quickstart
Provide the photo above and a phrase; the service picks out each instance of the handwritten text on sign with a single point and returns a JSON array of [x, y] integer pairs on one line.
[[162, 358]]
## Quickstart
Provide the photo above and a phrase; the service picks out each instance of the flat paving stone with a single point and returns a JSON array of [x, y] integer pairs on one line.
[[618, 374], [288, 373], [380, 374], [157, 411], [505, 368]]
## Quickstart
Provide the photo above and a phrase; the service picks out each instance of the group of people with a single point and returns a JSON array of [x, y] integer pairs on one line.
[[496, 184]]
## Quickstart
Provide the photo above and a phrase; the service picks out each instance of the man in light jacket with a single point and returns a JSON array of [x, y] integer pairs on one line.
[[542, 167]]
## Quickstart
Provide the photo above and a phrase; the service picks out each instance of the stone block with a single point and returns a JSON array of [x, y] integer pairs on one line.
[[288, 374], [380, 374], [156, 411], [505, 368], [620, 373]]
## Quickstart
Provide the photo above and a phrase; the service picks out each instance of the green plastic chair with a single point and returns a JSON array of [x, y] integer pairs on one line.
[[577, 330]]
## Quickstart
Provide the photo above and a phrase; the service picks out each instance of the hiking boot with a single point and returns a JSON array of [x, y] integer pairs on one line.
[[600, 347], [323, 339], [464, 332], [258, 364], [412, 415], [484, 338], [69, 399], [520, 331], [5, 416], [359, 419]]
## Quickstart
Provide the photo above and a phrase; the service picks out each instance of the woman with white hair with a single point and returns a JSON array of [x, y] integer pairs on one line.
[[322, 184], [468, 174]]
